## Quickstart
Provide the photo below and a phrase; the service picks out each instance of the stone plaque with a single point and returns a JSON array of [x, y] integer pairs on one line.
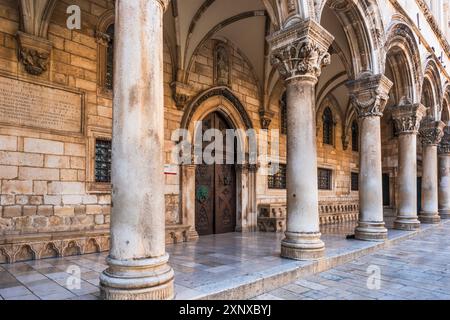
[[38, 106]]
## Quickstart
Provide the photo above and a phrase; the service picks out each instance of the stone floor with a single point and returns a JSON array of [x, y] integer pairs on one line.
[[416, 269], [224, 262]]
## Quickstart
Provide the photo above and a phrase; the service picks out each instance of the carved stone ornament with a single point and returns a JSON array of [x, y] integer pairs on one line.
[[301, 50], [370, 94], [266, 118], [34, 53], [444, 146], [102, 38], [431, 132], [181, 94], [407, 118]]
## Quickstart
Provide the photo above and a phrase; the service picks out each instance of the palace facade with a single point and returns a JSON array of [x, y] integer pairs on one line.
[[357, 91]]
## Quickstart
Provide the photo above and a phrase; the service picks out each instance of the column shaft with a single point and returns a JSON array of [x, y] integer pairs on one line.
[[138, 263], [444, 185]]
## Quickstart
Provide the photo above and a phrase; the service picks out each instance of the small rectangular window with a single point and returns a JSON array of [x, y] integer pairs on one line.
[[355, 181], [278, 180], [325, 179], [103, 156]]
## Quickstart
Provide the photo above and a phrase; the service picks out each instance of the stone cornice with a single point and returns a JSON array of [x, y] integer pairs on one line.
[[431, 132], [407, 118], [369, 94], [434, 26], [301, 50]]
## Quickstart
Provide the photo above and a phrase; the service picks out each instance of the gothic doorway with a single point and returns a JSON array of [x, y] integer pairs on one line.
[[215, 186]]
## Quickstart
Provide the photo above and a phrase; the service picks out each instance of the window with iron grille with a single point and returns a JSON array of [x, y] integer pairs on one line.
[[325, 179], [103, 155], [278, 180], [283, 113], [328, 125], [110, 58], [355, 136], [355, 181]]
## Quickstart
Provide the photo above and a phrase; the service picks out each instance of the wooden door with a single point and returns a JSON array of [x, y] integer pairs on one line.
[[215, 210]]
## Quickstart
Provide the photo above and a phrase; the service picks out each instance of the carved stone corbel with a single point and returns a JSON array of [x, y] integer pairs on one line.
[[34, 53], [181, 93], [266, 117]]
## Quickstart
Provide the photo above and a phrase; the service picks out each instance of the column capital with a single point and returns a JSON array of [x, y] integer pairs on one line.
[[407, 118], [370, 93], [431, 132], [444, 146], [301, 50]]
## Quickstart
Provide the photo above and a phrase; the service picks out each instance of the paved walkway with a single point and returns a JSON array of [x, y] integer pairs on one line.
[[416, 269], [222, 263]]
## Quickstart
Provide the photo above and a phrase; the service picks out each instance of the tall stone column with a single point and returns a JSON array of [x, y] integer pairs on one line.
[[369, 94], [407, 120], [299, 53], [444, 175], [138, 262], [431, 133]]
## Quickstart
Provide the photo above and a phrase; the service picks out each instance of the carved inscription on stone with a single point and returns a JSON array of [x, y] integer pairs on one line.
[[26, 104]]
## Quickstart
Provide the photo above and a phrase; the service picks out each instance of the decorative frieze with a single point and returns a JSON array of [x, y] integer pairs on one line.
[[431, 132], [34, 53], [301, 50], [407, 118], [370, 94]]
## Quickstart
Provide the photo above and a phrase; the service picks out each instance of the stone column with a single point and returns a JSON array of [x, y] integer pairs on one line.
[[407, 120], [138, 262], [431, 133], [299, 53], [444, 175], [369, 94], [188, 199]]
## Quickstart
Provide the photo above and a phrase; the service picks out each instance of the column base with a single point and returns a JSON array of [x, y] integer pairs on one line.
[[430, 218], [193, 235], [302, 246], [407, 223], [371, 231], [445, 214], [146, 279]]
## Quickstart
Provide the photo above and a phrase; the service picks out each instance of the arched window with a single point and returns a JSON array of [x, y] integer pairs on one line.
[[283, 113], [328, 125], [109, 70], [355, 136]]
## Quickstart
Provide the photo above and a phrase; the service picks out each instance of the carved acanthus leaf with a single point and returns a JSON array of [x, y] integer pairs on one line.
[[431, 132], [301, 50]]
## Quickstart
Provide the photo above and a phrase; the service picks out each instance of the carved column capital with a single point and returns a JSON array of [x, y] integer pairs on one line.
[[431, 132], [301, 50], [370, 94], [407, 118], [34, 53], [444, 146]]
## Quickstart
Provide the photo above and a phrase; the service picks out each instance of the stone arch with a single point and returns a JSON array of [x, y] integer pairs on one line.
[[364, 29], [49, 251], [71, 249], [92, 246], [402, 52], [432, 89], [222, 100], [25, 253]]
